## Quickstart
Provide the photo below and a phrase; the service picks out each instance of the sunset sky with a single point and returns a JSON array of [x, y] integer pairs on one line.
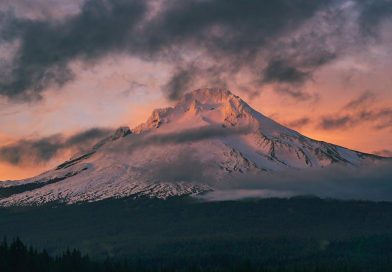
[[70, 71]]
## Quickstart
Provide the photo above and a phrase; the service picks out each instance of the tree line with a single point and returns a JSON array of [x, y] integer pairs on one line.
[[15, 256]]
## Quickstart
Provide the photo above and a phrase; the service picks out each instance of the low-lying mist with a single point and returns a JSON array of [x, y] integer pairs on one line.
[[372, 183]]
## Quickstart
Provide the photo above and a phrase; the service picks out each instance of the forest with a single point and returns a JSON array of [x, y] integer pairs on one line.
[[297, 234]]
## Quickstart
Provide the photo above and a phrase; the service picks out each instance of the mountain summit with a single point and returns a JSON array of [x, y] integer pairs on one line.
[[209, 137]]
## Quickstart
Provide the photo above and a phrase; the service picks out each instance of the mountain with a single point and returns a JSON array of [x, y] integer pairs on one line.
[[209, 137]]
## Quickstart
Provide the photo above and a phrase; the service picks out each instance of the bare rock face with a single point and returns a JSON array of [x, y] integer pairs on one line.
[[209, 137]]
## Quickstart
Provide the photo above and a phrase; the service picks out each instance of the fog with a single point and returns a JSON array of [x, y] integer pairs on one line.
[[372, 183]]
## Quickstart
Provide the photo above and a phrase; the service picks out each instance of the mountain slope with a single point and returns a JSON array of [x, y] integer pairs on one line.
[[209, 137]]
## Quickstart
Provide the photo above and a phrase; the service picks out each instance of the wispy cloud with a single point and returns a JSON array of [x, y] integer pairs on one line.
[[379, 118], [360, 110], [384, 152], [181, 80], [296, 94], [337, 122], [298, 123], [363, 99], [42, 150], [182, 136]]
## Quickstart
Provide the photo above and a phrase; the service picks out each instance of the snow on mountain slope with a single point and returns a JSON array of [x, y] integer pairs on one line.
[[209, 137]]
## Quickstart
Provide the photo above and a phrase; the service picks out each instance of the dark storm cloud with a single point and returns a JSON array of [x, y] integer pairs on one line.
[[185, 78], [41, 9], [42, 150], [47, 47], [180, 81], [229, 26], [279, 71], [374, 12], [222, 29], [289, 74], [380, 119], [232, 34]]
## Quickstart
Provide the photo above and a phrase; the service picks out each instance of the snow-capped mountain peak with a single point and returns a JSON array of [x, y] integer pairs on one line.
[[215, 106], [209, 137]]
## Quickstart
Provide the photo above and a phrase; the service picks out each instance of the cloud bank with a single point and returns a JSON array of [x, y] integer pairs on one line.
[[371, 183], [41, 151], [281, 42], [188, 135]]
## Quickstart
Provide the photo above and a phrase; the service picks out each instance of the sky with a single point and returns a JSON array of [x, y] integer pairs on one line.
[[72, 71]]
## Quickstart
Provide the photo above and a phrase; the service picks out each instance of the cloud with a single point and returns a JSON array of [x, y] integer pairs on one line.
[[185, 167], [289, 74], [229, 27], [47, 48], [374, 12], [179, 83], [228, 31], [184, 136], [91, 134], [297, 94], [380, 118], [279, 71], [363, 99], [357, 111], [299, 123], [336, 181], [336, 122], [238, 194], [41, 151], [41, 9], [384, 152], [287, 41]]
